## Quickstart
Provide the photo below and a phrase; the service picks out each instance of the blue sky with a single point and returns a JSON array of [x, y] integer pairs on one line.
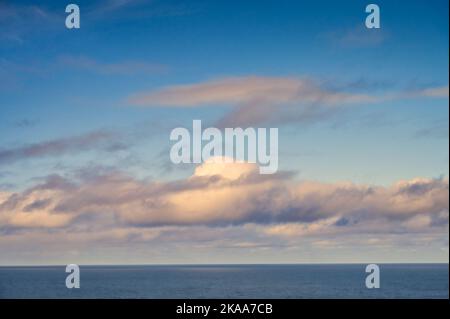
[[194, 42], [71, 91]]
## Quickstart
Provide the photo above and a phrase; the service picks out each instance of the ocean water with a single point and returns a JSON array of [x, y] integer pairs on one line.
[[227, 281]]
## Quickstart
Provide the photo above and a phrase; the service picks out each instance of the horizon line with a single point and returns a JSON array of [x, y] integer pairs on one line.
[[233, 264]]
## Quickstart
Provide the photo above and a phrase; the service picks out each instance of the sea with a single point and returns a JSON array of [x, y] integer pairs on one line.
[[227, 281]]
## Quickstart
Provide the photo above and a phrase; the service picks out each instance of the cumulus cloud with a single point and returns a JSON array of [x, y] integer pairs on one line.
[[258, 100], [227, 194], [224, 211]]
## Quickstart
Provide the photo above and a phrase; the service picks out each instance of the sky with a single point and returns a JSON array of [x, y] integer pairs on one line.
[[86, 114]]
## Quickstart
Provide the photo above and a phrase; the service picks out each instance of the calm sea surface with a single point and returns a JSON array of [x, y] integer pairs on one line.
[[227, 281]]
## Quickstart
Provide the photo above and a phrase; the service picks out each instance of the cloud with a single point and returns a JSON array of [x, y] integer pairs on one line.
[[103, 140], [437, 130], [25, 123], [18, 21], [437, 92], [255, 99], [119, 68], [223, 211], [227, 194], [238, 90], [259, 100], [112, 5], [138, 9], [356, 37]]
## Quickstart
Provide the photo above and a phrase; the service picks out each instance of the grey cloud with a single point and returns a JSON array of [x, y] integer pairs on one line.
[[38, 204], [423, 187], [438, 130], [102, 140], [112, 68], [25, 123]]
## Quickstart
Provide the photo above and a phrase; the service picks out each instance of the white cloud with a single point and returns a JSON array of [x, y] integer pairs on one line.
[[221, 194]]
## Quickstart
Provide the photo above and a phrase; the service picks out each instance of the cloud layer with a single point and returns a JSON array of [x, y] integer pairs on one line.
[[223, 212], [224, 194]]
